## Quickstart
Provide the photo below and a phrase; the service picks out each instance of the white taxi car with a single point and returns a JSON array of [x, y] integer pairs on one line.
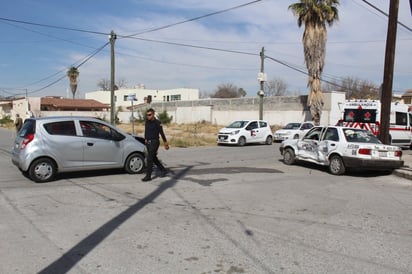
[[244, 132], [292, 131], [340, 148]]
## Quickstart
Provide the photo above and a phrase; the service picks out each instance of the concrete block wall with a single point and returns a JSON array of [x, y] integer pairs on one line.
[[278, 110]]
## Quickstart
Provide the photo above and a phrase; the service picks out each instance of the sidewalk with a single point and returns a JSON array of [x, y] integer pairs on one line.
[[406, 170]]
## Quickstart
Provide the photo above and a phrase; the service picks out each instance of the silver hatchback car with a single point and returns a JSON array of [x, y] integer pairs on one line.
[[50, 145]]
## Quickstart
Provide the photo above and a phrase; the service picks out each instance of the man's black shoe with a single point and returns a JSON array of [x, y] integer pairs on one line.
[[146, 179]]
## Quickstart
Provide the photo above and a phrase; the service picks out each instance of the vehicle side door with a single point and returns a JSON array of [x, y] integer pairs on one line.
[[264, 131], [328, 143], [100, 147], [62, 143], [308, 146], [252, 132], [400, 130]]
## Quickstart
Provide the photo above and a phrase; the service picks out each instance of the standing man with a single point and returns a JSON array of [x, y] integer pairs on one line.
[[18, 123], [152, 129]]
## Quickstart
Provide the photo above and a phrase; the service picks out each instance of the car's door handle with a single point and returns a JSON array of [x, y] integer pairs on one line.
[[332, 145], [90, 144]]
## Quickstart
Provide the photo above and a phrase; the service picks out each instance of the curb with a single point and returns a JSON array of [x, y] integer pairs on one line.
[[404, 172]]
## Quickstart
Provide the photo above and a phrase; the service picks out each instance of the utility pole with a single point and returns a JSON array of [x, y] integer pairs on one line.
[[261, 79], [386, 97], [112, 102]]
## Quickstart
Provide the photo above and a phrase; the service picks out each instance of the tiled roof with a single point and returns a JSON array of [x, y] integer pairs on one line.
[[408, 92], [72, 103]]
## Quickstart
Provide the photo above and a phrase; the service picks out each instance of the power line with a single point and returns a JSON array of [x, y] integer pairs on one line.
[[386, 14], [87, 58], [82, 62], [193, 46], [193, 19], [51, 26]]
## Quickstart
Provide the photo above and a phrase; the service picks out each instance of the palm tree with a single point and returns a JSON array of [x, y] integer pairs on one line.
[[314, 14], [73, 73]]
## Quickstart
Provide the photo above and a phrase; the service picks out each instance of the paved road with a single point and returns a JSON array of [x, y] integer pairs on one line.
[[222, 210]]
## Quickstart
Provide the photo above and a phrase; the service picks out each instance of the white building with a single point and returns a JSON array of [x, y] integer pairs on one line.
[[143, 95]]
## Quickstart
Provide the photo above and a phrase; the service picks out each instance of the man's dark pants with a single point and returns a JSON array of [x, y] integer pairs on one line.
[[152, 147]]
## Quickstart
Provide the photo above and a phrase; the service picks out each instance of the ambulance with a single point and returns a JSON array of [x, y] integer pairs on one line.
[[366, 114]]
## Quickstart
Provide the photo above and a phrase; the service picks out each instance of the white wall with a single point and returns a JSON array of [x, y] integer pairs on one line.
[[277, 110], [186, 94]]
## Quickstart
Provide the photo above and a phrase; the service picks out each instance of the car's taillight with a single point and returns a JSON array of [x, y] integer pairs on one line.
[[365, 151], [27, 140], [398, 153]]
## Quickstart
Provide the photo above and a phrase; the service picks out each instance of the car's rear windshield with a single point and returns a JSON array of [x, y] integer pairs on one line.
[[360, 136], [29, 127], [292, 126]]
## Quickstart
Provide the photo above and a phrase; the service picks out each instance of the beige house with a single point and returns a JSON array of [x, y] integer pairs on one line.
[[407, 96]]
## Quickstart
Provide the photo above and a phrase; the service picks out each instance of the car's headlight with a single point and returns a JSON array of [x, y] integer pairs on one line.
[[235, 132]]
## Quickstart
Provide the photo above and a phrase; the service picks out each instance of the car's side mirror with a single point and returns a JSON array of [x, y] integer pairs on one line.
[[116, 136]]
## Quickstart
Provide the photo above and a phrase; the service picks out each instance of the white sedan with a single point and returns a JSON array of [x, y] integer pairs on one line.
[[292, 131], [340, 148]]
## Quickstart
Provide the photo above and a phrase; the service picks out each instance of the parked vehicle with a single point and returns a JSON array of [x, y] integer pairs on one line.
[[292, 131], [341, 148], [366, 114], [245, 132], [50, 145]]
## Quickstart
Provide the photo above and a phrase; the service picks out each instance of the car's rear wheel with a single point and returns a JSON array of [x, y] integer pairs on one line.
[[289, 156], [242, 141], [336, 165], [269, 140], [42, 170], [134, 163]]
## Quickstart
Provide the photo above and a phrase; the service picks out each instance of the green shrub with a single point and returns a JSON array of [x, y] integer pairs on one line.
[[165, 118], [6, 121]]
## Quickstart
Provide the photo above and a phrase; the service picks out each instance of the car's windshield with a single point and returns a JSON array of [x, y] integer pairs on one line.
[[353, 135], [292, 126], [237, 124]]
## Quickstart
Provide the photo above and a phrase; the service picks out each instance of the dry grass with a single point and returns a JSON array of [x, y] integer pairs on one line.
[[183, 135], [186, 135], [179, 135]]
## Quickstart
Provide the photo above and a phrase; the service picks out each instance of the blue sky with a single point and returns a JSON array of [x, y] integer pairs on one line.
[[33, 57]]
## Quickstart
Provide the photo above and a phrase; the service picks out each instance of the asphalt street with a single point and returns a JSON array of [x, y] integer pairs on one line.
[[220, 210]]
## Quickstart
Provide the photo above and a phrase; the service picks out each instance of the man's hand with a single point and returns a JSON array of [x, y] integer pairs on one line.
[[166, 145]]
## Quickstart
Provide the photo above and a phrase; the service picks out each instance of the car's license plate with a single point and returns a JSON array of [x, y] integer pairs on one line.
[[383, 153]]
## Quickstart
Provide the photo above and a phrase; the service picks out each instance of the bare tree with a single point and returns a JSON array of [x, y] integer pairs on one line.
[[228, 91], [276, 87], [354, 88], [104, 84]]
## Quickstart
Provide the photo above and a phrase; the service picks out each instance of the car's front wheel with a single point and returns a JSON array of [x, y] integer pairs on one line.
[[336, 165], [42, 170], [134, 163], [269, 140], [289, 156], [242, 141]]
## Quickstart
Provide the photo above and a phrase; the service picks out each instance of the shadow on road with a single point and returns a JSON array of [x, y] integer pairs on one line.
[[69, 259]]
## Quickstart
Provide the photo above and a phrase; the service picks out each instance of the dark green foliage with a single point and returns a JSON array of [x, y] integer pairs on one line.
[[165, 118]]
